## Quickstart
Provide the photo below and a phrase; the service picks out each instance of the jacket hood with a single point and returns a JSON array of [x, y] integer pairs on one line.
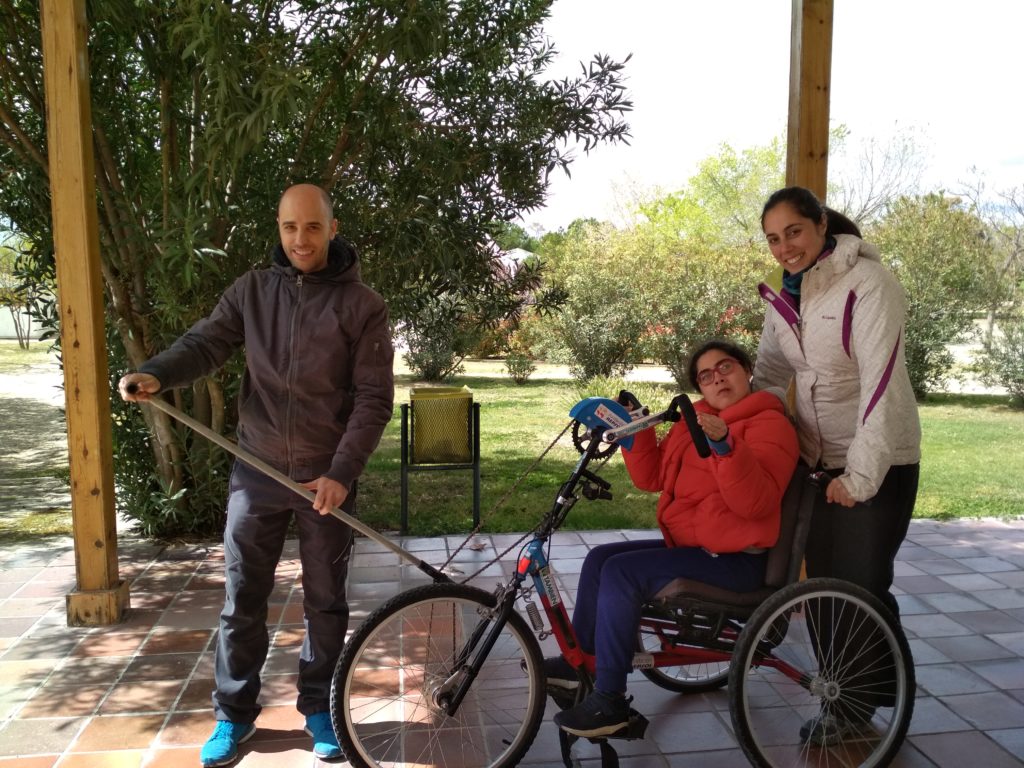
[[342, 261], [850, 248]]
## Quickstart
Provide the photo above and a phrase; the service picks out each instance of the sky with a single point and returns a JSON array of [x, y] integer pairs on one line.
[[945, 72]]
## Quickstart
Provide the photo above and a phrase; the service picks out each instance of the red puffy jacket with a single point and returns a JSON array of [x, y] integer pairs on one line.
[[722, 503]]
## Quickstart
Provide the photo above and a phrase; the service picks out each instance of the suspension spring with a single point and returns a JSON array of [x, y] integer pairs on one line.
[[534, 613]]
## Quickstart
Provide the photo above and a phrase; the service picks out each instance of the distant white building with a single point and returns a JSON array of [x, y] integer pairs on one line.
[[7, 328]]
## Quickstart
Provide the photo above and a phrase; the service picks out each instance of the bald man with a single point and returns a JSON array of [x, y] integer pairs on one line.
[[315, 397]]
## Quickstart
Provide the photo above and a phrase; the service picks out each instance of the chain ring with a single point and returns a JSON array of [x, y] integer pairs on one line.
[[581, 438]]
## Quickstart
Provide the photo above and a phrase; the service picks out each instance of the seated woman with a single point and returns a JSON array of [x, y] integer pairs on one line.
[[717, 515]]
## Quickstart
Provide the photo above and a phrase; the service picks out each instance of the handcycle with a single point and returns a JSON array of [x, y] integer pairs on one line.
[[449, 674]]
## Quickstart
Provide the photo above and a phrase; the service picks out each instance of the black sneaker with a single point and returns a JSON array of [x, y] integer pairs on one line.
[[600, 714], [560, 674]]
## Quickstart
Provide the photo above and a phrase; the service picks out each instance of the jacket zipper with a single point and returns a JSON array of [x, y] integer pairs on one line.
[[292, 362]]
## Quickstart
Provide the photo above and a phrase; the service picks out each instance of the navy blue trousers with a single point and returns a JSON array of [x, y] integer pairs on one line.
[[259, 512], [618, 578]]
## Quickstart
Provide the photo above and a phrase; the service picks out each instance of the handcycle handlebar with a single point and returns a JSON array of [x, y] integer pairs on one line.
[[680, 407]]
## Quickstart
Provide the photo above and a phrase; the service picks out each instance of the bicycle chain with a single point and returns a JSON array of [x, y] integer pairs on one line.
[[501, 501]]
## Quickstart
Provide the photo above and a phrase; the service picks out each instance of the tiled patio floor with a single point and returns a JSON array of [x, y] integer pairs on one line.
[[137, 694]]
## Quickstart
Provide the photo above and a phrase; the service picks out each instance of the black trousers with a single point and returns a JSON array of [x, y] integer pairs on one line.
[[259, 512], [859, 544]]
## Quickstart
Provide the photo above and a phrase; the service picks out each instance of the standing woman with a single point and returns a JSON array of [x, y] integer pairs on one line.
[[835, 327]]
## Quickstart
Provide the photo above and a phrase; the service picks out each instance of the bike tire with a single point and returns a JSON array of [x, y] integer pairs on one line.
[[382, 704], [866, 677]]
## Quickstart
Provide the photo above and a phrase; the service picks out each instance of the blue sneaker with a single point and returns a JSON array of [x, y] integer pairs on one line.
[[222, 747], [325, 743]]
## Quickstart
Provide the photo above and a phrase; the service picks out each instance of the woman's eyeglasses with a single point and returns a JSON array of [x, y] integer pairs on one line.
[[723, 367]]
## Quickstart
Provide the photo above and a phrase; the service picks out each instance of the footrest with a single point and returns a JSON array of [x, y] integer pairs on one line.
[[635, 729]]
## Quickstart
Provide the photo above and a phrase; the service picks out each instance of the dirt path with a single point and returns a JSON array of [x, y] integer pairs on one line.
[[33, 444]]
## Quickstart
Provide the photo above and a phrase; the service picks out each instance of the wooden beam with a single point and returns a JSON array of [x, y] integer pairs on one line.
[[810, 78], [99, 596]]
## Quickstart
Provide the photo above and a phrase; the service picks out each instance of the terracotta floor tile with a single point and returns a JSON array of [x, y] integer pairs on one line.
[[178, 757], [82, 670], [71, 701], [965, 648], [1007, 674], [131, 758], [38, 737], [279, 690], [956, 750], [25, 671], [16, 627], [163, 666], [164, 640], [278, 722], [140, 619], [289, 637], [1012, 740], [116, 732], [987, 711], [288, 753], [206, 581], [42, 761], [46, 589], [187, 729], [196, 695], [143, 696], [108, 643], [932, 716], [950, 679], [150, 601], [43, 647]]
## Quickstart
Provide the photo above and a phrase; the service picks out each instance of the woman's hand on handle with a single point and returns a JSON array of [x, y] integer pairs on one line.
[[138, 387], [714, 426]]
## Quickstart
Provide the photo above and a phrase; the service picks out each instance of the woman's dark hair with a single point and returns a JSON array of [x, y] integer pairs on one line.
[[806, 204], [735, 352]]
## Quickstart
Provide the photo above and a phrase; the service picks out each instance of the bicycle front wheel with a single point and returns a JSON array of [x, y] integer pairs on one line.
[[822, 676], [397, 671]]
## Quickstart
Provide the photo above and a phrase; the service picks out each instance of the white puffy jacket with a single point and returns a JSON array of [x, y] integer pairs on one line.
[[845, 348]]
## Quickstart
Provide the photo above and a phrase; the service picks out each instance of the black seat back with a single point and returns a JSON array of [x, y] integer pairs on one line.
[[786, 557]]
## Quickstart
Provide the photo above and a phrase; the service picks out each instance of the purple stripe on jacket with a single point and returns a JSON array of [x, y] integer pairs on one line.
[[848, 321], [782, 306], [880, 390]]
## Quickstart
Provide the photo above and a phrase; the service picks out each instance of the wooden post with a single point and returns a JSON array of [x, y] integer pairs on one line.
[[99, 596], [810, 77]]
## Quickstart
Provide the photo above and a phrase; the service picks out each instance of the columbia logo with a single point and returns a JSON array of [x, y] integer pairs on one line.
[[828, 317]]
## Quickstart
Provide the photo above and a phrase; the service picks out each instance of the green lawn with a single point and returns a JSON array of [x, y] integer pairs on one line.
[[973, 458], [14, 359]]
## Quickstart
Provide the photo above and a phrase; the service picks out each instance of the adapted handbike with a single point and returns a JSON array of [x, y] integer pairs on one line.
[[449, 674]]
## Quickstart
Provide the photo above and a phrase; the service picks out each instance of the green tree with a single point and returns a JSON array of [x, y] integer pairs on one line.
[[600, 326], [15, 294], [430, 122], [939, 251], [707, 255]]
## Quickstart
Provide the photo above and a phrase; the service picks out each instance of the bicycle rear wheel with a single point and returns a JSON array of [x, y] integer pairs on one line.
[[822, 676], [389, 687]]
